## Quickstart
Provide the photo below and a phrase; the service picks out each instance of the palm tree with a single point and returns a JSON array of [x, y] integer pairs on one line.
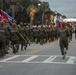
[[31, 10]]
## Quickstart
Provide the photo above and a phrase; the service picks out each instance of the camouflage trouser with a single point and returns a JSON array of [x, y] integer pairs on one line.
[[70, 37], [2, 49], [23, 43], [41, 40], [15, 46], [63, 44]]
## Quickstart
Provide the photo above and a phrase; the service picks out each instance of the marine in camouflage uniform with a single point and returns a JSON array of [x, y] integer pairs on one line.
[[23, 40], [46, 34], [31, 34], [56, 32], [14, 38], [49, 34], [41, 33], [3, 36], [63, 34], [52, 34], [36, 34], [70, 32], [7, 26]]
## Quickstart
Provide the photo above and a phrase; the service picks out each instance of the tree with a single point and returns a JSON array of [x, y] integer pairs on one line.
[[31, 10], [22, 10], [63, 16]]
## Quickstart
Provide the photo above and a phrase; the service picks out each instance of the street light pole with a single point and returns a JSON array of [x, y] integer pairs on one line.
[[43, 12]]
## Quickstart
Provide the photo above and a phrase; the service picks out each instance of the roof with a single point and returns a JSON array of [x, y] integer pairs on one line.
[[69, 20]]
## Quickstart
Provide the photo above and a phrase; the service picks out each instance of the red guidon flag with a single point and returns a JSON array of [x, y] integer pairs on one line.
[[4, 17]]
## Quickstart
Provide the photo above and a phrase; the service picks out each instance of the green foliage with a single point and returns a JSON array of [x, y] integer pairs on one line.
[[63, 16], [23, 9], [31, 7]]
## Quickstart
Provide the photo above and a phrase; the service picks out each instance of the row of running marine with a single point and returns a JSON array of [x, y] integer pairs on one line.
[[13, 36]]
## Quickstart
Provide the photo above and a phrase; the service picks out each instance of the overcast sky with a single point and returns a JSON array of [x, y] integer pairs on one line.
[[65, 7]]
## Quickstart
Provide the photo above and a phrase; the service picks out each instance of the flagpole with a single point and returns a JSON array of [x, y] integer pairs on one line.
[[13, 10]]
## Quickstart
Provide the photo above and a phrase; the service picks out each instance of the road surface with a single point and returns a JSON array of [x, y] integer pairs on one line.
[[40, 60]]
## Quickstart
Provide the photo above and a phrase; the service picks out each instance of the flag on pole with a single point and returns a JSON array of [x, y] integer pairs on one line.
[[9, 17], [6, 17]]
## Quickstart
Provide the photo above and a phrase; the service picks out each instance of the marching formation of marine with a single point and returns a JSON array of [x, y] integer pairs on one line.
[[16, 35]]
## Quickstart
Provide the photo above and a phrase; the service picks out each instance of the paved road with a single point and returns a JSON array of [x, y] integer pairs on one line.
[[40, 60]]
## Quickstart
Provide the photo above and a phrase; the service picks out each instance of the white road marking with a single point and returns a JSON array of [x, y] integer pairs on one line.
[[51, 58], [30, 58], [7, 59], [71, 60], [16, 62], [47, 60]]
